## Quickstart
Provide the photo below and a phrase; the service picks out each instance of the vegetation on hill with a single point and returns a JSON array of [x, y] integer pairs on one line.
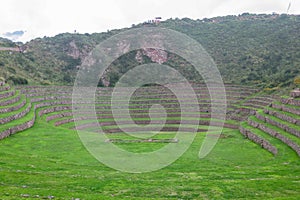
[[261, 50]]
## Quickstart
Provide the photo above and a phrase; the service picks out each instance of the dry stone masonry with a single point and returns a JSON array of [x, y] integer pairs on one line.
[[279, 120]]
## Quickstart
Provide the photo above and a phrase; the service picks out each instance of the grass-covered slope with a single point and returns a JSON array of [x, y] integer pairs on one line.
[[49, 161], [16, 112], [248, 49], [280, 121]]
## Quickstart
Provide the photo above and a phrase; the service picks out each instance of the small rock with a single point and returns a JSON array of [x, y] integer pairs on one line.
[[49, 197], [25, 195]]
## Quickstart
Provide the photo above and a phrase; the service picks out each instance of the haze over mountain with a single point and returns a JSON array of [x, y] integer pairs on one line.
[[262, 50]]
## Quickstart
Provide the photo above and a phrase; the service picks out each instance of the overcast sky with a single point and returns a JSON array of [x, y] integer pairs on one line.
[[38, 18]]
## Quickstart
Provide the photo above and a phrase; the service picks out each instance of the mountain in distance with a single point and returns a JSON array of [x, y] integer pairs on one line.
[[261, 50]]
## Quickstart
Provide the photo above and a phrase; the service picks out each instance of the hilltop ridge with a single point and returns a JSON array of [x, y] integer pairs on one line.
[[261, 50]]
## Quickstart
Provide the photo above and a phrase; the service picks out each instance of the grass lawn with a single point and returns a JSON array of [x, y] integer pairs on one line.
[[51, 161]]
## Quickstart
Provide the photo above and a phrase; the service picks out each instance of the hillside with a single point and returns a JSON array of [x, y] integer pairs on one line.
[[261, 50]]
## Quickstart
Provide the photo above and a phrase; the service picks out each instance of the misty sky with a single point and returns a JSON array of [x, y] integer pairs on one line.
[[38, 18]]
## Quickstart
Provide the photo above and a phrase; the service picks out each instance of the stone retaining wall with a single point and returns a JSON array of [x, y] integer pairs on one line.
[[258, 102], [290, 101], [4, 88], [168, 122], [284, 127], [60, 115], [47, 94], [15, 116], [282, 116], [254, 106], [13, 108], [286, 109], [48, 98], [258, 140], [10, 101], [277, 135], [18, 128], [53, 109], [7, 94]]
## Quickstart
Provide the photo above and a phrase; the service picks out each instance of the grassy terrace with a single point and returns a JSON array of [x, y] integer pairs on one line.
[[22, 98], [296, 127], [283, 150], [279, 130], [3, 115], [17, 93], [285, 113], [46, 161], [287, 105], [13, 123]]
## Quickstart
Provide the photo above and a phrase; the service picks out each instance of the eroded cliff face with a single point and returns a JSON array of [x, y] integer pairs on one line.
[[73, 50], [156, 55]]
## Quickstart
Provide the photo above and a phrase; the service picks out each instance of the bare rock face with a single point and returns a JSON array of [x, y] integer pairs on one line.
[[156, 55], [73, 50], [78, 52]]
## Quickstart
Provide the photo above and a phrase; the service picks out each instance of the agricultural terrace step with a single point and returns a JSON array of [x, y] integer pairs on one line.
[[47, 94], [148, 102], [139, 130], [100, 110], [108, 127], [52, 109], [165, 94], [262, 126], [144, 121], [58, 116], [108, 107], [139, 100], [18, 125], [286, 108], [49, 98], [202, 86], [274, 141], [258, 140], [10, 108], [249, 111], [17, 128], [4, 88], [136, 105], [16, 115], [141, 116], [266, 98], [30, 90], [290, 101], [153, 96], [232, 96], [10, 100], [7, 94], [258, 102], [254, 106], [285, 116], [285, 126]]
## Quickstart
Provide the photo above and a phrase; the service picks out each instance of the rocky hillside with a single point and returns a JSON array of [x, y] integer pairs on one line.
[[261, 50]]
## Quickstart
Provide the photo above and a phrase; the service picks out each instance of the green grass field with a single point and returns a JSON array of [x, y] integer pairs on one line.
[[46, 161]]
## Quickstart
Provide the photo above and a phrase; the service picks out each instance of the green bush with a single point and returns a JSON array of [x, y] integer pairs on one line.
[[17, 80]]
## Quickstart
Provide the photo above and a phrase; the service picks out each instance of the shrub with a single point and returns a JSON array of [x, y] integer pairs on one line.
[[18, 80], [297, 80]]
